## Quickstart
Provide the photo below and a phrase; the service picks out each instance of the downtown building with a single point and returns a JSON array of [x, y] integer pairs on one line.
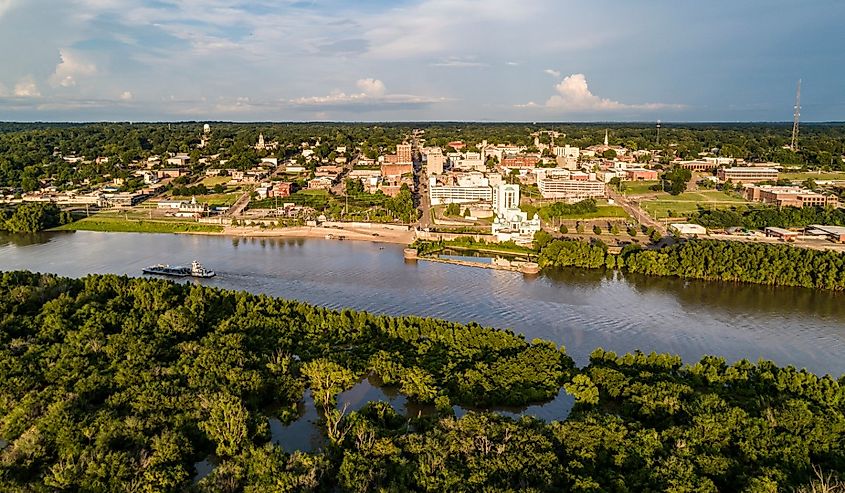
[[511, 223], [465, 189], [555, 183]]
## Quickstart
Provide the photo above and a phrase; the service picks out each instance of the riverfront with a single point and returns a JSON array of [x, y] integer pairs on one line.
[[581, 309]]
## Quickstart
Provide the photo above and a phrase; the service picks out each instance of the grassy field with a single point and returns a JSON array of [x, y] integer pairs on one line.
[[604, 211], [688, 202], [214, 199], [637, 187], [831, 175], [120, 224], [210, 181]]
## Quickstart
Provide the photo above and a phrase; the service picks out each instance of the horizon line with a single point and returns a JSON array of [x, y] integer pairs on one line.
[[427, 122]]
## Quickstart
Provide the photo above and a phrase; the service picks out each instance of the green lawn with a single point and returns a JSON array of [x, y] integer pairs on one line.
[[120, 224], [604, 211], [798, 177], [688, 202], [638, 187], [211, 181]]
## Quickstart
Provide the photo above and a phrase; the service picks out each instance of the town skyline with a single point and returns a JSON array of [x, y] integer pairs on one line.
[[419, 60]]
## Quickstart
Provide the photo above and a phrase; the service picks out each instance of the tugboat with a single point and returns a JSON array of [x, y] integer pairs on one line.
[[195, 270]]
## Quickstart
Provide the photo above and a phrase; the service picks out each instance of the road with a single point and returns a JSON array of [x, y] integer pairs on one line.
[[424, 201], [339, 188], [240, 205], [635, 211]]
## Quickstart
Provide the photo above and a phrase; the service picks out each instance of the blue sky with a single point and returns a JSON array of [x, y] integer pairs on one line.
[[535, 60]]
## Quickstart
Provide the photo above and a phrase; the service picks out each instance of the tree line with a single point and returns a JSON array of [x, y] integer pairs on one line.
[[710, 260], [31, 217], [762, 217], [116, 384]]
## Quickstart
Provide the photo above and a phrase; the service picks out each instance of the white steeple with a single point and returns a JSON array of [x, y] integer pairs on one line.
[[605, 138]]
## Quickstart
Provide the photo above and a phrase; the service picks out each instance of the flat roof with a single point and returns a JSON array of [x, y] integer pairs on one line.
[[834, 230], [780, 231], [751, 168]]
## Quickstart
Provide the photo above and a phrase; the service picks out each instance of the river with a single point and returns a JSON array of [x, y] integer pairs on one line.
[[579, 308]]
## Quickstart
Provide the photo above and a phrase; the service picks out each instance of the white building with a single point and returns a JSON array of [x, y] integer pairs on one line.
[[434, 161], [687, 229], [465, 189], [560, 184], [511, 223], [468, 161]]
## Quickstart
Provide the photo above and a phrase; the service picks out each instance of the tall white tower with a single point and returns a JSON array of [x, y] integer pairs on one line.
[[606, 141], [505, 197]]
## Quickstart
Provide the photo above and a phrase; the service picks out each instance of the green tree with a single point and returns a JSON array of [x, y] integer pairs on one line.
[[226, 424]]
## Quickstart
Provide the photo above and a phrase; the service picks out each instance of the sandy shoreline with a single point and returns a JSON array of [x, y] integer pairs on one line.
[[379, 236]]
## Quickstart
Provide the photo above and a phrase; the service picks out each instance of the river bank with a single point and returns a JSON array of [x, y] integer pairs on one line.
[[331, 233], [120, 225]]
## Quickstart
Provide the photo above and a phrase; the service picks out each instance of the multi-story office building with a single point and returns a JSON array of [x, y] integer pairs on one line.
[[403, 152], [789, 196], [748, 174], [434, 161], [463, 190]]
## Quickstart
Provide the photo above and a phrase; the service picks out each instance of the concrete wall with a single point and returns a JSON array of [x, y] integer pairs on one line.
[[432, 236], [362, 225]]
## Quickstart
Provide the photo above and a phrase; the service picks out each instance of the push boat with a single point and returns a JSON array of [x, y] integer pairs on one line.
[[195, 270]]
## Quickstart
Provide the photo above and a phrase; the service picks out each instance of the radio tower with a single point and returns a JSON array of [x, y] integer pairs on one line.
[[796, 117]]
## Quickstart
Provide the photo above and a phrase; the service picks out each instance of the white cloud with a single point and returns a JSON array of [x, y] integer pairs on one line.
[[3, 91], [372, 87], [27, 88], [374, 95], [457, 62], [423, 29], [512, 64], [553, 73], [5, 6], [574, 95], [71, 67], [126, 96]]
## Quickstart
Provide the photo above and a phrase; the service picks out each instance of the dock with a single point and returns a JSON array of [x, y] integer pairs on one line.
[[529, 268]]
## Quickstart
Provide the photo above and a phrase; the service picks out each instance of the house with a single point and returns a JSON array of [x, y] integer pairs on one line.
[[320, 183], [282, 189], [640, 174], [179, 160], [171, 173]]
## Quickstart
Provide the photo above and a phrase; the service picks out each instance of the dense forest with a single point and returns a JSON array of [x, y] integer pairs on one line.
[[33, 152], [114, 384], [762, 217], [711, 260], [31, 217]]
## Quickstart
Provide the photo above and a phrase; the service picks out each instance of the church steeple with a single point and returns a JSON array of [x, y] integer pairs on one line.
[[605, 138]]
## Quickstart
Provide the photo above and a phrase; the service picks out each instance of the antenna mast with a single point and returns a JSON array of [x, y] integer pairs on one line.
[[796, 117]]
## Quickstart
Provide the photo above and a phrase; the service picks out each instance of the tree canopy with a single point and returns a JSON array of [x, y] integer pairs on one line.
[[116, 384]]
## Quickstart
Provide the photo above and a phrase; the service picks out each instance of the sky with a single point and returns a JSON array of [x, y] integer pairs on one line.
[[419, 60]]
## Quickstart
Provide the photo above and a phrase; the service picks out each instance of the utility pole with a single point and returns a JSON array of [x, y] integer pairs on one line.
[[796, 116]]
